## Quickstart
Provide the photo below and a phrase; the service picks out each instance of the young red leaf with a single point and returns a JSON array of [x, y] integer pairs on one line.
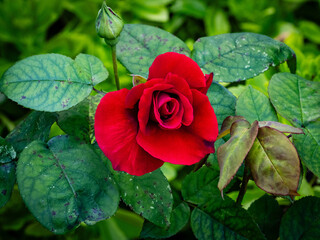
[[233, 152], [274, 163], [280, 127]]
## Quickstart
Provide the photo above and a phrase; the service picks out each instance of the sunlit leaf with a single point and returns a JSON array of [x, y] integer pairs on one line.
[[92, 66], [308, 146], [296, 99], [254, 105], [274, 163], [48, 82], [64, 183], [140, 44], [239, 56]]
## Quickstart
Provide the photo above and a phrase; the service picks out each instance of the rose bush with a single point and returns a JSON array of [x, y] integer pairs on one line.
[[167, 119]]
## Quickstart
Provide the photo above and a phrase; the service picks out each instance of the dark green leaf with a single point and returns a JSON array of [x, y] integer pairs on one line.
[[233, 152], [148, 195], [239, 56], [64, 183], [280, 127], [48, 82], [274, 163], [295, 98], [200, 186], [308, 146], [223, 220], [266, 212], [92, 66], [222, 101], [78, 121], [254, 105], [179, 218], [7, 180], [302, 220], [140, 44], [35, 127], [7, 152]]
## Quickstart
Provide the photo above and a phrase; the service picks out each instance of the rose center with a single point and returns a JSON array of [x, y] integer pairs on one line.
[[167, 110]]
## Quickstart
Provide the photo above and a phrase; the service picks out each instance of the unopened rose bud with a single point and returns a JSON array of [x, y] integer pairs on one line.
[[108, 24]]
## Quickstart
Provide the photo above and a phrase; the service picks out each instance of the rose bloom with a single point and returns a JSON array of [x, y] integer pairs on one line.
[[167, 119]]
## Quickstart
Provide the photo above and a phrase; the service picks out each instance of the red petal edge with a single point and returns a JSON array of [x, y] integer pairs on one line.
[[115, 131]]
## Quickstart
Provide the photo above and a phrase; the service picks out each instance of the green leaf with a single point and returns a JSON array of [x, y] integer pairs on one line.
[[179, 218], [280, 127], [308, 146], [296, 99], [233, 152], [149, 195], [254, 105], [274, 163], [223, 220], [92, 66], [140, 44], [222, 101], [239, 56], [302, 220], [7, 152], [78, 121], [267, 214], [64, 183], [35, 127], [48, 82], [7, 181], [200, 186]]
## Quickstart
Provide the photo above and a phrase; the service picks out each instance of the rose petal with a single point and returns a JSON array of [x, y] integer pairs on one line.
[[208, 78], [186, 145], [205, 122], [115, 130], [179, 64]]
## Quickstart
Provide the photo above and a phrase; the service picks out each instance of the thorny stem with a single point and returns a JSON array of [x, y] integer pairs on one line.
[[199, 164], [115, 66], [245, 180]]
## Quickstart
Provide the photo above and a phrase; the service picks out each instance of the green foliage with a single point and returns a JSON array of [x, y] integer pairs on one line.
[[49, 82], [139, 45], [64, 183], [35, 127], [7, 181], [254, 105], [302, 220], [222, 101], [267, 214], [223, 219], [308, 146], [178, 219], [295, 98], [148, 195], [252, 53]]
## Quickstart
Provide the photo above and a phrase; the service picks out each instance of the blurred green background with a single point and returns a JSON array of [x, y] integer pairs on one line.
[[30, 27]]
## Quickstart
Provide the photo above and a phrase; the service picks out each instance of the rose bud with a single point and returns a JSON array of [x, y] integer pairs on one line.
[[168, 118], [108, 24]]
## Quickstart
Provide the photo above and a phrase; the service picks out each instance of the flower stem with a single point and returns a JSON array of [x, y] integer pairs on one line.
[[115, 66], [199, 164], [245, 180]]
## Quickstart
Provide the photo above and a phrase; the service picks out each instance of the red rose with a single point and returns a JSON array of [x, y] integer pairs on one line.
[[167, 119]]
